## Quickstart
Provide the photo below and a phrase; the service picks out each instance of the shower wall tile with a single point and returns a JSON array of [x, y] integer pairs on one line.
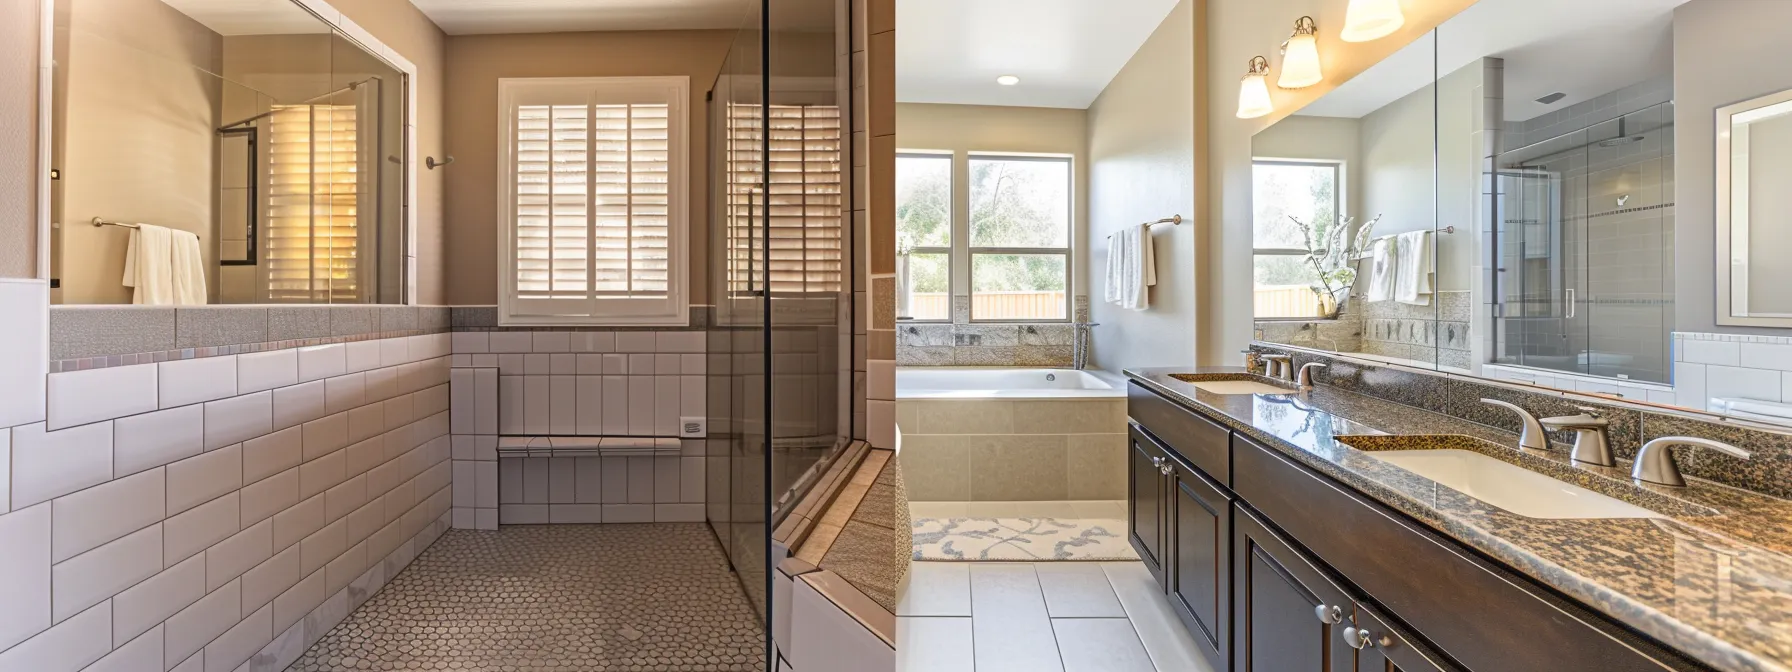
[[234, 519]]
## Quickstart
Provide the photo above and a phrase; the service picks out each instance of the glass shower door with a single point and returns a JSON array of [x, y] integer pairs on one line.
[[1542, 274]]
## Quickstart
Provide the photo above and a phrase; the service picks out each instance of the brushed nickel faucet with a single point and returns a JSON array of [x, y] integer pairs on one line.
[[1305, 379], [1592, 444], [1533, 436], [1655, 463], [1280, 366]]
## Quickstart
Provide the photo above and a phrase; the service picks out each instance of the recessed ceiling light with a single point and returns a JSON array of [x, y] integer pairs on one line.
[[1007, 80]]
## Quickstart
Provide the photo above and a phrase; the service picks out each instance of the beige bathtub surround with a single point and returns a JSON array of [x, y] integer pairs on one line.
[[1014, 450]]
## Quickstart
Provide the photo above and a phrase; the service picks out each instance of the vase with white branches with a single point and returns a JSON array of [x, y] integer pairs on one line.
[[1333, 259]]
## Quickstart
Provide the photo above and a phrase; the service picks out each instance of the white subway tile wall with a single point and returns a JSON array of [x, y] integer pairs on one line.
[[1731, 366], [575, 384], [195, 514]]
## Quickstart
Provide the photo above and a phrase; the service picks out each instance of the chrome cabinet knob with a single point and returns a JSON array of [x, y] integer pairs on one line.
[[1157, 462], [1165, 470], [1358, 639], [1328, 614]]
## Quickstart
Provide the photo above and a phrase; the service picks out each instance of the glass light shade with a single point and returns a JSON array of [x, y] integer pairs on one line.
[[1300, 63], [1366, 20], [1253, 97]]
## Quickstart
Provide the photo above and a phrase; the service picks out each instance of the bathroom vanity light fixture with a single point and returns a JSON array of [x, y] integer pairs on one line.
[[1007, 80], [1253, 91], [1300, 56], [1366, 20]]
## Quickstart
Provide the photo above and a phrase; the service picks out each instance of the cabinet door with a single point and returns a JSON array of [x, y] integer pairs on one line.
[[1382, 647], [1145, 494], [1200, 577], [1287, 616]]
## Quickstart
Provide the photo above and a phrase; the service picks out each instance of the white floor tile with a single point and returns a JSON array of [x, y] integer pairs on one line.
[[1009, 620], [1101, 645], [1077, 590], [1170, 646], [934, 644], [936, 589]]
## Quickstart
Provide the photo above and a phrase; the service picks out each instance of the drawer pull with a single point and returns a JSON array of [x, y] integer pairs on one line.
[[1165, 470], [1358, 639], [1328, 614]]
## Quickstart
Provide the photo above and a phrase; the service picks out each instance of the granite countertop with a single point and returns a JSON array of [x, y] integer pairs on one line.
[[1716, 586]]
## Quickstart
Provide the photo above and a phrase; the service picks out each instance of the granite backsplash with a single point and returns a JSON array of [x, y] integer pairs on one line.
[[1768, 471]]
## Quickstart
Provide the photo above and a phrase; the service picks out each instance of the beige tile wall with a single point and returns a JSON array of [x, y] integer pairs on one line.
[[1025, 450], [874, 186]]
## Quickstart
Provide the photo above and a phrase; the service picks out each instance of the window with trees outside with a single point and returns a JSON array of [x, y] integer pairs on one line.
[[924, 236], [1019, 240], [1283, 192]]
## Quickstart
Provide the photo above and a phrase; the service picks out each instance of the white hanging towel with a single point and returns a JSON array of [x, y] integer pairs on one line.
[[1382, 266], [164, 266], [1132, 268], [188, 268], [1412, 280]]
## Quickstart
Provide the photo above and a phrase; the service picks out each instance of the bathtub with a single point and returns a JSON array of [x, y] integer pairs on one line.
[[1012, 434], [1005, 383]]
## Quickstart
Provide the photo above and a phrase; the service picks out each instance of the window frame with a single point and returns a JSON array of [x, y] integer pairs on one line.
[[952, 226], [1337, 168], [1067, 252], [674, 308]]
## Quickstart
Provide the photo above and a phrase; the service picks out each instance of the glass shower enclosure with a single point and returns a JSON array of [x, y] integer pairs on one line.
[[1583, 249]]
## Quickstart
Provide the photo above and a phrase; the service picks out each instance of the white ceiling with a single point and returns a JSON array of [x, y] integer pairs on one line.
[[474, 17], [250, 17], [1064, 51], [1584, 48]]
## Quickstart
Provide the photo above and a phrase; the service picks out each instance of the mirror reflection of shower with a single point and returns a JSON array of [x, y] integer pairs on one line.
[[1584, 247]]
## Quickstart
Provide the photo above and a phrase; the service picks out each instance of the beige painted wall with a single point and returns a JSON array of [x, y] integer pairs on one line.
[[140, 139], [478, 61], [987, 128], [19, 27], [1235, 31], [1144, 141], [1710, 37]]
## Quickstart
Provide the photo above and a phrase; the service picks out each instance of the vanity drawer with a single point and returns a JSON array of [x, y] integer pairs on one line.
[[1480, 614], [1200, 441]]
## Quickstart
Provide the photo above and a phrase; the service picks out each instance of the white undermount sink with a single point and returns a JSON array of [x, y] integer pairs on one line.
[[1238, 387], [1509, 486]]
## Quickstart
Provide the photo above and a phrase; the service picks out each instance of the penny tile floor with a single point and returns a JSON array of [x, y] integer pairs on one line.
[[555, 598]]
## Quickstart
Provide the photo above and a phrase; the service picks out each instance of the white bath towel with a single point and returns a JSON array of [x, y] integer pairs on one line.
[[1382, 261], [164, 266], [1412, 280], [1132, 268]]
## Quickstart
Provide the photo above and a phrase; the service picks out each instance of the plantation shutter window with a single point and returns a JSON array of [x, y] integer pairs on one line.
[[594, 213]]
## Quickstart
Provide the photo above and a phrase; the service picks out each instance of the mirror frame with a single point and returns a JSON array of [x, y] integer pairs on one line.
[[1732, 237]]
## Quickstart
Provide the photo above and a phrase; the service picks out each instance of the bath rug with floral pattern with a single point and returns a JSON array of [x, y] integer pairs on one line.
[[1021, 539]]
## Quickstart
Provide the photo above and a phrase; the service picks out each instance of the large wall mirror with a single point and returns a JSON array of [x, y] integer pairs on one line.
[[1498, 199], [223, 153]]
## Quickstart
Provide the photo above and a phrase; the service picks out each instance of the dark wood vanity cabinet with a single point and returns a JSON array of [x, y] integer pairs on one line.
[[1275, 567], [1181, 526], [1145, 506]]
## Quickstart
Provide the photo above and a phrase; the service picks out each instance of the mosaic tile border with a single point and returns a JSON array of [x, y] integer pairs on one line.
[[107, 361], [485, 318]]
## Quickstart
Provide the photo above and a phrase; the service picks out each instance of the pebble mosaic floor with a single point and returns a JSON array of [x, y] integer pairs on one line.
[[555, 598]]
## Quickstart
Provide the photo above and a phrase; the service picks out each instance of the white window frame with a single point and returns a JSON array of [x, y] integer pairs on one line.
[[674, 309], [952, 220]]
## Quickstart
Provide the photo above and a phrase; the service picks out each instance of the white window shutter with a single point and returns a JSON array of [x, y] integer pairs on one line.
[[596, 213]]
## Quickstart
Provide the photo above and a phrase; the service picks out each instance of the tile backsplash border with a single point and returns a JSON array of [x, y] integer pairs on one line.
[[962, 342], [1768, 471]]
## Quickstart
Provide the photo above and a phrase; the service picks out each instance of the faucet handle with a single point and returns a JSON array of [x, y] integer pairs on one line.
[[1532, 436], [1655, 463]]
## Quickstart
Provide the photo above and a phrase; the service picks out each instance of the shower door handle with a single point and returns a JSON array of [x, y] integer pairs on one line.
[[1570, 301]]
